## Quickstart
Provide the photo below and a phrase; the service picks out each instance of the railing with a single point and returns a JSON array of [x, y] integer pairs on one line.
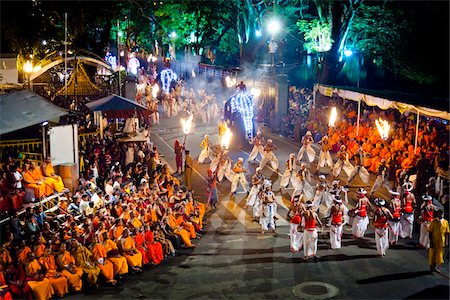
[[83, 137]]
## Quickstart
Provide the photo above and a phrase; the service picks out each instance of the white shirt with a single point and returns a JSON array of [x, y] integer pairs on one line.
[[17, 178]]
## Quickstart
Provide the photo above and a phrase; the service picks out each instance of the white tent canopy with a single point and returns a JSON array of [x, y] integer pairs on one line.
[[381, 102]]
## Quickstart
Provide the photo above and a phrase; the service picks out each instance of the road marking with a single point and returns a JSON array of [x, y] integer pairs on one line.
[[233, 241]]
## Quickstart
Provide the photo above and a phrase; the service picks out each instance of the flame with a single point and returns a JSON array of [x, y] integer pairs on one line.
[[255, 92], [155, 90], [230, 82], [383, 128], [193, 74], [187, 124], [226, 138], [333, 117]]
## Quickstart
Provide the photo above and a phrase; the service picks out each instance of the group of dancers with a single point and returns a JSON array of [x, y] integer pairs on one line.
[[314, 207]]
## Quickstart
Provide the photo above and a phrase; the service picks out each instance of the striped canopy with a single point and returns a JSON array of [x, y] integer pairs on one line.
[[115, 106]]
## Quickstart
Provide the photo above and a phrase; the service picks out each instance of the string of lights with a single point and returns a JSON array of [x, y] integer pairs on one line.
[[243, 103], [167, 76]]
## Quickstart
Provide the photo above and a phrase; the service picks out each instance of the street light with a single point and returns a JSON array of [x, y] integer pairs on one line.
[[258, 33], [28, 69], [274, 26], [173, 34], [348, 52]]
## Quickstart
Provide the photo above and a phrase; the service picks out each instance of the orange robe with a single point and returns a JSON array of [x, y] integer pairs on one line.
[[43, 289], [60, 284], [23, 254], [106, 267], [83, 260], [39, 189], [46, 182], [155, 250], [133, 259], [119, 262], [39, 251], [140, 244], [57, 182], [183, 233], [74, 278]]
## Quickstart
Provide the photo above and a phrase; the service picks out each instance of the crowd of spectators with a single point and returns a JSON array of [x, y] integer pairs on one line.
[[127, 212]]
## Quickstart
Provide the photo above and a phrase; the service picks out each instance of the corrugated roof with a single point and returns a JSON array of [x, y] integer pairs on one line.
[[24, 108]]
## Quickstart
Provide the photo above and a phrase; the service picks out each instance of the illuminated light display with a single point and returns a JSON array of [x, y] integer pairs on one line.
[[155, 90], [243, 103], [167, 76], [333, 116], [383, 128]]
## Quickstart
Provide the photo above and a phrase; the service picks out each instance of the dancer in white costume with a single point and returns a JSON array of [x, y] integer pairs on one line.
[[257, 210], [395, 207], [408, 205], [427, 214], [295, 222], [258, 147], [307, 141], [382, 179], [322, 195], [359, 169], [302, 183], [206, 150], [239, 176], [337, 223], [380, 219], [269, 156], [310, 235], [224, 168], [289, 173], [267, 219], [336, 190], [325, 156], [361, 220], [257, 182], [343, 163], [216, 154]]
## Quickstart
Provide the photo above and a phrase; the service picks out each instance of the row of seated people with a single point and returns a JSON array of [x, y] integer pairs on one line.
[[95, 237]]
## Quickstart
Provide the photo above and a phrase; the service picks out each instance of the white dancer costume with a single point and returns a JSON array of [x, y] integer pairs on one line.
[[427, 215], [394, 222], [269, 156], [216, 154], [289, 173], [239, 176], [267, 219], [258, 147], [343, 163], [380, 223], [325, 156], [206, 151], [296, 236], [322, 195], [225, 170], [307, 141], [360, 170], [302, 184], [257, 183], [310, 235], [361, 220], [382, 178], [337, 223], [408, 204]]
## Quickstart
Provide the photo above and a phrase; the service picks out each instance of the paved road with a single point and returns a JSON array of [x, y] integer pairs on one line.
[[233, 260]]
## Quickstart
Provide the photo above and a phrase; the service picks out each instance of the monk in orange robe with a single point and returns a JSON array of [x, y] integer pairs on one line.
[[100, 257], [49, 173], [83, 260], [22, 253], [139, 241], [178, 230], [31, 182], [66, 263], [112, 251], [155, 250], [47, 182], [57, 280], [133, 256], [40, 285], [3, 284]]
